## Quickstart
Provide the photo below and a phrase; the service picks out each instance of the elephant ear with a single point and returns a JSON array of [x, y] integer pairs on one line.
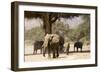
[[55, 38], [46, 40]]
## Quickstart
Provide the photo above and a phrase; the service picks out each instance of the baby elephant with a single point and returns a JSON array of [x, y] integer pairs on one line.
[[37, 46], [78, 45]]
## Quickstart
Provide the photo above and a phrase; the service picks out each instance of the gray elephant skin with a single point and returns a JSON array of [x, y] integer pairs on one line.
[[51, 44], [78, 45], [37, 46]]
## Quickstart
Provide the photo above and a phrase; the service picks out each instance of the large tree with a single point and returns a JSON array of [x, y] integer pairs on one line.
[[48, 18]]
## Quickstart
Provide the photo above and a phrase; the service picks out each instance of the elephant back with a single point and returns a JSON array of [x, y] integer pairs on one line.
[[78, 44]]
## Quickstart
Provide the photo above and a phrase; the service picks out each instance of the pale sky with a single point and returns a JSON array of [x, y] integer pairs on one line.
[[34, 22]]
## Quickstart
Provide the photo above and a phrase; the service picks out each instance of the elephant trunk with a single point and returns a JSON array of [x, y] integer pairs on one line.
[[44, 50], [44, 54]]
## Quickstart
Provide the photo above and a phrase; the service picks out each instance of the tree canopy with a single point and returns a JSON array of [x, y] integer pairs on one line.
[[52, 23]]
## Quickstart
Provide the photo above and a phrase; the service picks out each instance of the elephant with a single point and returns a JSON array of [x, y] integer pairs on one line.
[[77, 45], [51, 43], [37, 46]]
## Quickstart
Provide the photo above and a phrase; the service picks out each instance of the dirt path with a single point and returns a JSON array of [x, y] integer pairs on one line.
[[71, 56]]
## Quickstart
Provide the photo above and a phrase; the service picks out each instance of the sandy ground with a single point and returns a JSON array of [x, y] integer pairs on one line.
[[29, 57]]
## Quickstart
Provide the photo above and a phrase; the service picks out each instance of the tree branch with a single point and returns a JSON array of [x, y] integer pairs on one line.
[[53, 19]]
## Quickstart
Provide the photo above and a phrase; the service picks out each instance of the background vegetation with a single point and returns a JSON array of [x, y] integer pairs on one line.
[[80, 32]]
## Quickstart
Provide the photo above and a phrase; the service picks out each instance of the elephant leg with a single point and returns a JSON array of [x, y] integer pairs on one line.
[[81, 49], [67, 51], [34, 51], [74, 49], [41, 50], [44, 51], [49, 51], [43, 54], [57, 52], [61, 49], [54, 53], [77, 49]]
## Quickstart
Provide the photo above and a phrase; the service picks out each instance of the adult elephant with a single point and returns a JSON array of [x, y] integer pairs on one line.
[[51, 44], [77, 45]]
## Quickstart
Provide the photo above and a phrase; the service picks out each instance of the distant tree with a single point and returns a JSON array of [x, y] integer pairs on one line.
[[81, 31], [84, 28]]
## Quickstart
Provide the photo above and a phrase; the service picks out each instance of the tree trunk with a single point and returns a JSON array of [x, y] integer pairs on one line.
[[47, 24]]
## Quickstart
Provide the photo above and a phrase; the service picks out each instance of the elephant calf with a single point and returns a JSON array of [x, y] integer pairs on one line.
[[37, 46]]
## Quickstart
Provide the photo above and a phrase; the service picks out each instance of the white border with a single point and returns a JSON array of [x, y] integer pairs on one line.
[[23, 8]]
